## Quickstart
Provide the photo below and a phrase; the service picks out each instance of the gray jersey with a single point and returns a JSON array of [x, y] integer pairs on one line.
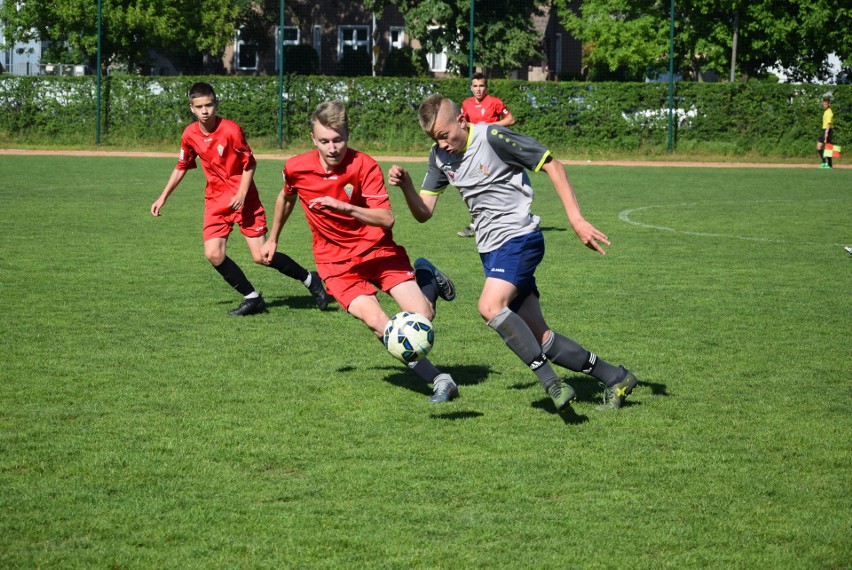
[[491, 175]]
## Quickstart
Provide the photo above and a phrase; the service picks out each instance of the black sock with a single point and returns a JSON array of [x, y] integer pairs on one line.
[[426, 281], [565, 352], [518, 337], [285, 264], [235, 277]]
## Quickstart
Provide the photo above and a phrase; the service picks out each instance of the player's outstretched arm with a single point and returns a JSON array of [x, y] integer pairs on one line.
[[588, 234], [174, 181], [422, 207]]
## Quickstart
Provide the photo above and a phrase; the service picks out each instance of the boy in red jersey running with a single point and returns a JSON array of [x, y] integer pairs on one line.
[[346, 204], [483, 108], [231, 197]]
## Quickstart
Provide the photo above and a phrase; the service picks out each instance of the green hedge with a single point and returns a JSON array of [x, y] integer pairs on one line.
[[572, 117]]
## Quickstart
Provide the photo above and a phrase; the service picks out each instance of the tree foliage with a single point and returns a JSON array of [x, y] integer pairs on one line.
[[504, 36], [633, 35], [130, 28]]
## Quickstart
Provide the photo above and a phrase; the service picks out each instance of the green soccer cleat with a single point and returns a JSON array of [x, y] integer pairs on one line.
[[561, 394], [446, 288], [614, 396]]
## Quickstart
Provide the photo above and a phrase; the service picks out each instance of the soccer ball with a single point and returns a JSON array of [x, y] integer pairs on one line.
[[409, 336]]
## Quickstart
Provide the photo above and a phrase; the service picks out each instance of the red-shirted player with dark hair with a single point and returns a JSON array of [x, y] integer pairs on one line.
[[483, 108], [230, 198], [343, 194]]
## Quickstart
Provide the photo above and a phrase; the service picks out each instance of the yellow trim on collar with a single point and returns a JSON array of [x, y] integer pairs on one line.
[[469, 136]]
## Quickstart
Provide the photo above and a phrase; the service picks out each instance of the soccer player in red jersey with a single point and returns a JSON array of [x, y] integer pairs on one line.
[[346, 204], [230, 197], [483, 108]]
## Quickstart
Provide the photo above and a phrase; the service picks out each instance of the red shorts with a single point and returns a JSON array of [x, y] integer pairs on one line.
[[383, 268], [219, 217]]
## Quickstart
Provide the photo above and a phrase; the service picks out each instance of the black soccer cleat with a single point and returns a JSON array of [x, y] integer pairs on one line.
[[318, 291], [249, 307], [446, 288]]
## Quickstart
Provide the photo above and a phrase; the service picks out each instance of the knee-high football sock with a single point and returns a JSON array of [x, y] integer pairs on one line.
[[519, 338], [426, 281], [235, 277], [565, 352], [424, 369], [286, 265]]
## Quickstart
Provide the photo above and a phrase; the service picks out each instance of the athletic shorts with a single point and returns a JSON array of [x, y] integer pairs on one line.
[[219, 217], [515, 261], [822, 136], [379, 269]]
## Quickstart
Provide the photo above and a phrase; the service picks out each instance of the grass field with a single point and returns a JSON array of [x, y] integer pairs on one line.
[[142, 428]]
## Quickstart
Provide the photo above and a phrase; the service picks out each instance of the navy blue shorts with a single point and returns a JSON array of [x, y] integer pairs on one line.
[[515, 261]]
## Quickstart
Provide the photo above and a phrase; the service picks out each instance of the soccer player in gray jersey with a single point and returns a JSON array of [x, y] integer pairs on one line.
[[488, 165]]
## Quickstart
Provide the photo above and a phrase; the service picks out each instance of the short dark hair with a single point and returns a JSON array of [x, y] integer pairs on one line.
[[201, 89], [479, 75]]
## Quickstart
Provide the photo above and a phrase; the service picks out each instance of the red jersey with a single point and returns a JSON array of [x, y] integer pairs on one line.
[[489, 110], [224, 153], [358, 180]]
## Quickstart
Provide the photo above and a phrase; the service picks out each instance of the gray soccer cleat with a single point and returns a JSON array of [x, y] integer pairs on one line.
[[444, 390]]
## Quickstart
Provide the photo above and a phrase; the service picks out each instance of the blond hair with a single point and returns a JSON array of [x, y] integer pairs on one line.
[[332, 115], [430, 108]]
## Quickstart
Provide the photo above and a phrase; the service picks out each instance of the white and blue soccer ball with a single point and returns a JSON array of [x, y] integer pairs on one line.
[[409, 336]]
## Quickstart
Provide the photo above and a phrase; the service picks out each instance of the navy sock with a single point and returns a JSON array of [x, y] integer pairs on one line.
[[426, 282]]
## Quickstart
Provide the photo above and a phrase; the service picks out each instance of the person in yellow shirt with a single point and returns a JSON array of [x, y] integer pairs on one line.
[[825, 135]]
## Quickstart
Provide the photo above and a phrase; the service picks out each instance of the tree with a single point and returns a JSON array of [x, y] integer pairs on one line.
[[798, 35], [504, 37], [130, 28]]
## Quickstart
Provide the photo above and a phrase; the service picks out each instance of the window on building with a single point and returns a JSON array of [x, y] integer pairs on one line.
[[352, 38], [437, 61], [316, 40], [558, 53], [397, 38], [288, 37], [245, 53]]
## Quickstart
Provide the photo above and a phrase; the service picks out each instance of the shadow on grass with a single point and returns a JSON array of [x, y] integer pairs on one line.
[[590, 391], [467, 375], [460, 415], [299, 302]]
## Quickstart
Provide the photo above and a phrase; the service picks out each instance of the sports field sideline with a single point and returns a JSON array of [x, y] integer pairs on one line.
[[694, 164]]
